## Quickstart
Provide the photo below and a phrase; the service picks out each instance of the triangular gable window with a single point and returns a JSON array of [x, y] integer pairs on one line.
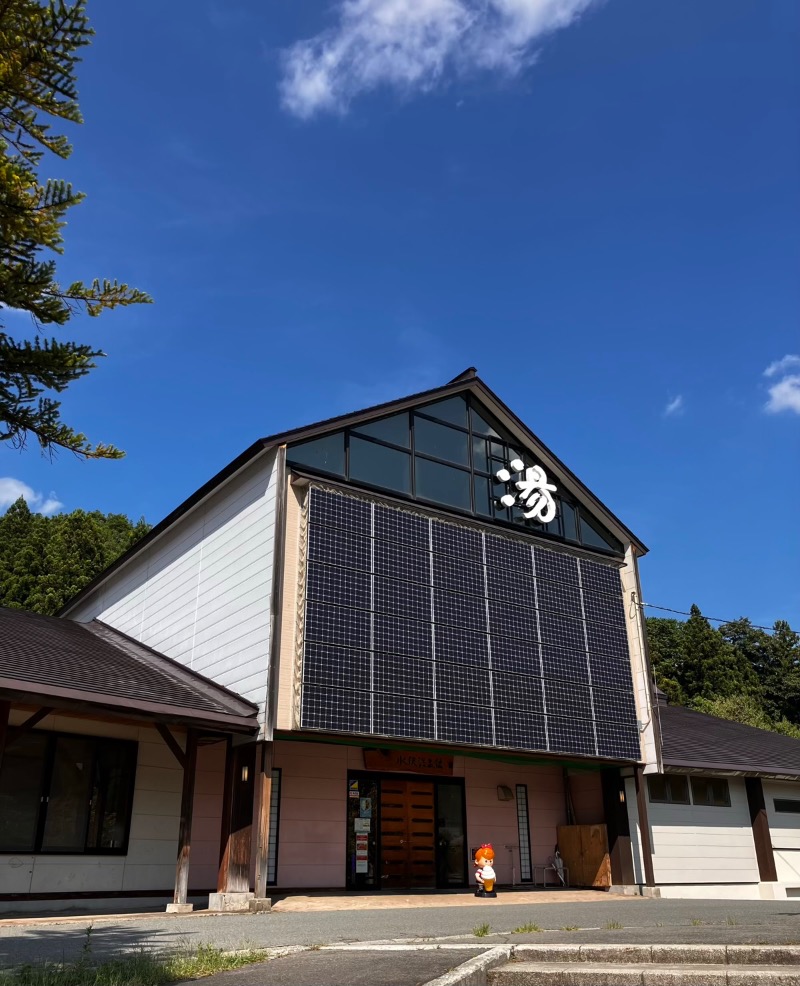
[[449, 453]]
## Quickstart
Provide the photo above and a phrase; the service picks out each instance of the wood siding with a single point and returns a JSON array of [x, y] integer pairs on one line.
[[201, 592]]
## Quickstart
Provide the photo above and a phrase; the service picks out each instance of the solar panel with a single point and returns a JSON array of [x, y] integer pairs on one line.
[[603, 609], [335, 709], [399, 636], [516, 691], [400, 561], [336, 667], [512, 621], [408, 598], [338, 586], [455, 645], [449, 573], [555, 566], [403, 715], [334, 547], [345, 512], [400, 675], [335, 625], [463, 684], [416, 627], [470, 724], [600, 578]]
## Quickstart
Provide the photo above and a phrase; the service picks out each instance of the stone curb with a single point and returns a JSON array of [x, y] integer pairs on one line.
[[728, 955], [601, 974], [474, 972]]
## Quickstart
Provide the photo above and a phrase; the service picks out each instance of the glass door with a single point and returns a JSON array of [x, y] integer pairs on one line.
[[451, 851]]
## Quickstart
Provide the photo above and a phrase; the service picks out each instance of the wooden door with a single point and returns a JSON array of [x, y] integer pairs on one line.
[[407, 826], [584, 849]]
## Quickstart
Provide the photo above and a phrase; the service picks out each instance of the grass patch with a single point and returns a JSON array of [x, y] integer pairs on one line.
[[613, 926], [697, 921], [730, 919], [481, 930], [133, 969], [526, 929], [570, 927]]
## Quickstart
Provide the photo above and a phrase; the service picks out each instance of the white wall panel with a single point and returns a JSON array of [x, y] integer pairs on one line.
[[784, 827], [200, 593]]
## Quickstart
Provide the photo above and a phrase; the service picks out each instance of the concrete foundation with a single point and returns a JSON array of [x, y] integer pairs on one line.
[[230, 902], [173, 908]]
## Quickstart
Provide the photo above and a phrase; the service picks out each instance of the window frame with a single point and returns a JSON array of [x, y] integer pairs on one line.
[[697, 780], [46, 788], [786, 801], [668, 799]]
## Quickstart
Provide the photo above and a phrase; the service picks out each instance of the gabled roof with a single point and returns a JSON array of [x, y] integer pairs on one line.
[[68, 664], [694, 741], [468, 381]]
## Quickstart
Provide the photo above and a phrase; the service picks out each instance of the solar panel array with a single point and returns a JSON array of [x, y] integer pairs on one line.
[[417, 627]]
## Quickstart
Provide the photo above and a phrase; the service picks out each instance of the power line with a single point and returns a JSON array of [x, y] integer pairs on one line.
[[714, 619]]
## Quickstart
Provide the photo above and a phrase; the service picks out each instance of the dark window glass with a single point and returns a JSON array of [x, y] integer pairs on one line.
[[442, 484], [20, 791], [394, 430], [554, 526], [569, 521], [112, 793], [483, 496], [450, 836], [81, 786], [668, 788], [68, 804], [480, 459], [712, 791], [453, 410], [481, 426], [592, 537], [499, 452], [379, 466], [440, 441], [788, 805], [323, 453]]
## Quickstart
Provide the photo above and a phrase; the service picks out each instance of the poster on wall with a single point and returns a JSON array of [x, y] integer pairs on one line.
[[366, 808], [362, 866], [361, 824], [352, 789]]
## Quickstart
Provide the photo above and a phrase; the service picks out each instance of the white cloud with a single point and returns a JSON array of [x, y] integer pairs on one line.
[[412, 45], [674, 406], [784, 395], [788, 362], [12, 489]]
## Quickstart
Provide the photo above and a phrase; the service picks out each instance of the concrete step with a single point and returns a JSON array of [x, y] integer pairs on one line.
[[525, 973], [725, 955]]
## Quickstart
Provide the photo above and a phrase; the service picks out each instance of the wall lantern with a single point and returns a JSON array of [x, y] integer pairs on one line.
[[504, 793], [245, 773]]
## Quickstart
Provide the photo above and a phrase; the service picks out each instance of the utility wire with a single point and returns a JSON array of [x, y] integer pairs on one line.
[[714, 619]]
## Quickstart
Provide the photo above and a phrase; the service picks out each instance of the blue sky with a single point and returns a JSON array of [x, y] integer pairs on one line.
[[597, 204]]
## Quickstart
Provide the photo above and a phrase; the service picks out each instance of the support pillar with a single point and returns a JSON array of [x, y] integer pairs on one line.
[[233, 883], [264, 802], [619, 834], [761, 836], [179, 903], [644, 829], [5, 711]]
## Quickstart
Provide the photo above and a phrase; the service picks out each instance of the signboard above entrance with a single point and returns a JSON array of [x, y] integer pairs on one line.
[[409, 763]]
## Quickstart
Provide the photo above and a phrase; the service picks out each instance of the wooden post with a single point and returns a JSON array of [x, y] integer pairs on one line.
[[264, 802], [617, 824], [644, 829], [5, 710], [760, 823], [185, 832], [237, 822]]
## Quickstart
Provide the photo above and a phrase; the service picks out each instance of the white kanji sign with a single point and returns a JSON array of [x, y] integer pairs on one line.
[[534, 493]]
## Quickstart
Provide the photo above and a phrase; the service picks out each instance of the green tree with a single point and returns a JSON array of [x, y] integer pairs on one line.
[[39, 48], [713, 667], [665, 644], [44, 561]]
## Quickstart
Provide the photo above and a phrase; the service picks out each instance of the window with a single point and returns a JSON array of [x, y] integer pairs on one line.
[[274, 806], [378, 465], [668, 789], [326, 454], [443, 484], [712, 791], [66, 794], [441, 442], [523, 829], [787, 805]]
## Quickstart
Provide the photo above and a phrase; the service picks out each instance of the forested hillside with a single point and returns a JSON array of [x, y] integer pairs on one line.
[[46, 560], [735, 671]]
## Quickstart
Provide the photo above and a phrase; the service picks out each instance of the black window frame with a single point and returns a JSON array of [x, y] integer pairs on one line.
[[780, 805], [46, 788], [501, 449], [709, 782], [668, 798]]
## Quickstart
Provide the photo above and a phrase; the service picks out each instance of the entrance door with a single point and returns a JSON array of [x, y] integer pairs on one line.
[[408, 856]]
